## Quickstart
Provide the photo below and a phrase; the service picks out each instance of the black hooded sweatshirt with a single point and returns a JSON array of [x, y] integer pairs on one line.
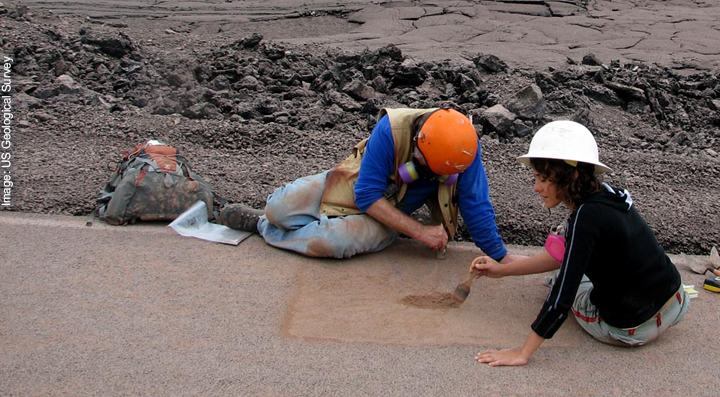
[[607, 240]]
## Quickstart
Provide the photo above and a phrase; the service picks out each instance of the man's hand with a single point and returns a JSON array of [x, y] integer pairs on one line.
[[434, 237], [487, 267]]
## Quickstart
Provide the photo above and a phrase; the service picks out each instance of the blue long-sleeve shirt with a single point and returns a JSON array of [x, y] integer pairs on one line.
[[378, 164]]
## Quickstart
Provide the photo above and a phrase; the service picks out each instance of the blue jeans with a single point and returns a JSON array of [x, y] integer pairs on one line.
[[292, 221]]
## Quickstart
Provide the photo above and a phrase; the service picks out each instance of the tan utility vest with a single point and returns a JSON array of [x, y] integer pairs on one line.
[[339, 195]]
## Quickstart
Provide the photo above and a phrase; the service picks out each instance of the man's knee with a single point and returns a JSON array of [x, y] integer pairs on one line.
[[278, 209], [271, 212], [318, 247], [337, 245]]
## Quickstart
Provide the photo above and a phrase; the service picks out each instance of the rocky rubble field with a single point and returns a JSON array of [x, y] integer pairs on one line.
[[252, 115]]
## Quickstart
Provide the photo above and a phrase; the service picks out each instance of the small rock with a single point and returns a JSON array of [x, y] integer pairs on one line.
[[60, 67], [715, 104], [591, 59], [498, 118], [359, 91], [331, 116], [489, 63], [220, 83], [274, 53], [102, 70], [26, 102], [342, 100], [130, 66], [175, 80], [372, 106], [201, 111], [528, 103], [163, 109], [380, 84], [522, 129], [680, 138], [249, 82], [140, 102], [637, 107], [42, 116], [19, 12], [248, 42], [63, 84], [602, 94], [117, 45], [582, 116], [409, 75]]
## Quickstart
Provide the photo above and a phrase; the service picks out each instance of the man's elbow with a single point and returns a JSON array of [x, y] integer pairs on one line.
[[365, 202]]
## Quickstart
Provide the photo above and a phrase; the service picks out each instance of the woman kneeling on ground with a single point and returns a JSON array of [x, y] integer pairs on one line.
[[621, 286]]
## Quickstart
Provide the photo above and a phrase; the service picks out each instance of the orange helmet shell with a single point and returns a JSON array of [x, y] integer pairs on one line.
[[448, 141]]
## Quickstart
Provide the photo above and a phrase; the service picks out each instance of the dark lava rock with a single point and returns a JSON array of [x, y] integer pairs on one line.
[[116, 45], [490, 63]]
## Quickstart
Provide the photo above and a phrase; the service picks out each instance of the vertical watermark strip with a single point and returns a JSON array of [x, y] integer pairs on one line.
[[7, 133]]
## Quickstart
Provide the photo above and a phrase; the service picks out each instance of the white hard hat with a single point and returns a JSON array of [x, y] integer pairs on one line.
[[564, 140]]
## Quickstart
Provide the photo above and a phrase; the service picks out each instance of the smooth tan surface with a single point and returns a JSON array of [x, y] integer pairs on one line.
[[140, 310], [404, 300]]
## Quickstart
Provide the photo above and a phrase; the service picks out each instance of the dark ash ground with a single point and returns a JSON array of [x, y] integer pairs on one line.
[[252, 114]]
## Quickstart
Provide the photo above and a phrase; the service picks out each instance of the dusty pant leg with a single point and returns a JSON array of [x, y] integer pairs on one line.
[[651, 329], [297, 204], [684, 306], [588, 317], [292, 222], [337, 237], [586, 314]]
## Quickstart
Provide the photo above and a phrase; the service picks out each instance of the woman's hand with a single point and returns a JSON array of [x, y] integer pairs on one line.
[[487, 267], [496, 358]]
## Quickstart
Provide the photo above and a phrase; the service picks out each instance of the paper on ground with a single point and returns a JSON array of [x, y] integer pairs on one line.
[[194, 223]]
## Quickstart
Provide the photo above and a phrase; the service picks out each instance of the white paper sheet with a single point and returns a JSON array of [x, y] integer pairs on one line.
[[194, 223]]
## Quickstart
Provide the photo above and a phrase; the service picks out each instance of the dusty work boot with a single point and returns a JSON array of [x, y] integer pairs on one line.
[[240, 217]]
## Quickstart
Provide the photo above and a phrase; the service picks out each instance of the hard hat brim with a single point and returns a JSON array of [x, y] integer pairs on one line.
[[600, 168]]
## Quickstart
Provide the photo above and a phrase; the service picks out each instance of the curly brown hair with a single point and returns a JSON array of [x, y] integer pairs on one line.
[[571, 190]]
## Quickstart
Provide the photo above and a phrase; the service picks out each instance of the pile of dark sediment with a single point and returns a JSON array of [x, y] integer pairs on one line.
[[252, 115]]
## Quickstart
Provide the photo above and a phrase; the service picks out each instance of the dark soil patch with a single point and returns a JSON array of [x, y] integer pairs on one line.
[[437, 300]]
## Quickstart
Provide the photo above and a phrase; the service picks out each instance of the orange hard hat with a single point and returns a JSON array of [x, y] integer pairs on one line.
[[448, 141]]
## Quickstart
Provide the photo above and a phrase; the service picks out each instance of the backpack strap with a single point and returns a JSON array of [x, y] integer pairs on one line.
[[151, 164], [186, 169]]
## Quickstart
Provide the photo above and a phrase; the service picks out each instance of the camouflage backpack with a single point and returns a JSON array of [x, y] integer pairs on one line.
[[152, 183]]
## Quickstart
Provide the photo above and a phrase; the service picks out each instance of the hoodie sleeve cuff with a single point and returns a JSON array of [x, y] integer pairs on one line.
[[548, 321]]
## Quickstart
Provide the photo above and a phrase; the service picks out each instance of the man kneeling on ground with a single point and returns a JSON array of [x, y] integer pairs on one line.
[[412, 157]]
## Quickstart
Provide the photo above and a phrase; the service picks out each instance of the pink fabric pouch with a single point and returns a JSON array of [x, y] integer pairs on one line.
[[555, 246]]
